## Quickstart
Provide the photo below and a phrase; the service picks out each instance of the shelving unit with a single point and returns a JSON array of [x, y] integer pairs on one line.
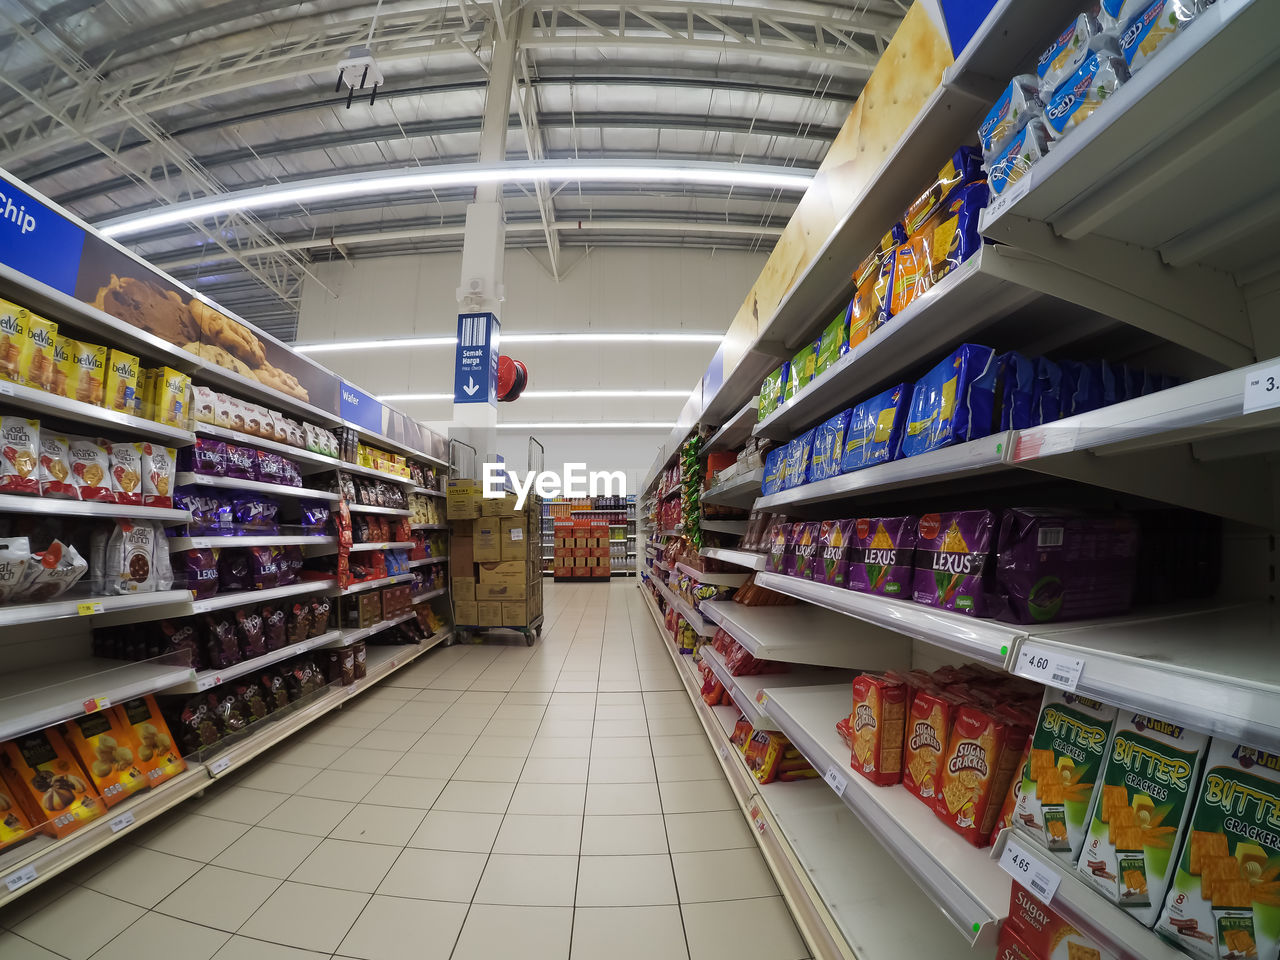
[[749, 692], [384, 511], [308, 461], [427, 561], [716, 579], [52, 506], [225, 601], [254, 486], [349, 636], [84, 606], [742, 558], [429, 595], [204, 679], [384, 545], [362, 585], [692, 616], [428, 526], [266, 540], [88, 416], [740, 491], [736, 527]]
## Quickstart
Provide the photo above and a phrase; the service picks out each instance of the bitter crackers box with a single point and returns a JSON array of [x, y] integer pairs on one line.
[[1062, 773], [876, 724], [880, 561], [1225, 897], [45, 767], [1140, 812]]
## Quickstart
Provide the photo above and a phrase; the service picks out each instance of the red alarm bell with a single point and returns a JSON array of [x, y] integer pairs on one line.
[[513, 377]]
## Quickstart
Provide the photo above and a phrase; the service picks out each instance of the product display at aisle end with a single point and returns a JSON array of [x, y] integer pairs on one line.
[[587, 518], [1033, 514]]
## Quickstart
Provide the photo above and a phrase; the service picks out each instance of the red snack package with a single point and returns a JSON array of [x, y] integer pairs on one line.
[[91, 469], [19, 456], [981, 757], [879, 707]]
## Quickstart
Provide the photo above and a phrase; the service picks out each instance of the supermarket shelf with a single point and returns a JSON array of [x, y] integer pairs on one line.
[[807, 634], [88, 416], [715, 579], [40, 697], [9, 503], [255, 486], [741, 491], [428, 595], [383, 545], [734, 432], [204, 679], [1082, 906], [743, 558], [239, 598], [428, 492], [345, 638], [749, 692], [673, 532], [202, 543], [987, 641], [963, 881], [81, 606], [384, 511], [44, 858], [427, 561], [738, 527], [699, 625], [364, 585], [378, 440], [308, 461], [356, 470], [428, 526]]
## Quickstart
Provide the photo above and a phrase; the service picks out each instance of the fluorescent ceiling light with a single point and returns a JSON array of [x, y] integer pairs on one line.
[[400, 343], [590, 425], [463, 175], [545, 395], [395, 397]]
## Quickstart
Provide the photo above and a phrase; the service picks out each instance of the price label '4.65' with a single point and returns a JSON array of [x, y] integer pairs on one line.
[[1048, 667], [1029, 870]]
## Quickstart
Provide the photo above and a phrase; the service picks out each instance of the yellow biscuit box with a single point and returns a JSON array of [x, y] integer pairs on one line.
[[81, 370], [168, 397], [35, 360], [122, 381], [13, 330]]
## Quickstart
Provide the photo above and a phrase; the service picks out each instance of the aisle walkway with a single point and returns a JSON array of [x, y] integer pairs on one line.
[[486, 802]]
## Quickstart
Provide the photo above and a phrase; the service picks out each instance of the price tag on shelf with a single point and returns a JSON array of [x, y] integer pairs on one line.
[[1029, 870], [758, 819], [20, 878], [204, 683], [121, 822], [761, 698], [836, 780], [6, 390], [88, 608], [1048, 667], [998, 205], [724, 752], [94, 704], [219, 765], [202, 606], [1262, 389]]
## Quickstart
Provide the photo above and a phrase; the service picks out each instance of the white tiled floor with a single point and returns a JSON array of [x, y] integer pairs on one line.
[[558, 802]]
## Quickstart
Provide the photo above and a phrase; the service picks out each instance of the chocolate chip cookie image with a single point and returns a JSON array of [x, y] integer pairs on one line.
[[232, 336], [143, 304], [219, 356], [281, 380]]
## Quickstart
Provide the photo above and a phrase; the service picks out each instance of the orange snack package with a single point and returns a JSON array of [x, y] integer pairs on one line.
[[928, 729], [48, 771], [876, 723], [157, 754], [108, 753], [981, 757], [1005, 816], [15, 822]]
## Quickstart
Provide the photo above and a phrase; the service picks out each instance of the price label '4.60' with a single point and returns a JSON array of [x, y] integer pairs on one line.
[[1029, 870], [1048, 667]]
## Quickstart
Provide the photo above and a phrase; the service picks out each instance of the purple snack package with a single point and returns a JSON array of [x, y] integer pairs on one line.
[[264, 567], [805, 551], [268, 466], [290, 475], [955, 562], [289, 565], [205, 456], [780, 555], [256, 514], [221, 647], [1065, 565], [835, 540], [880, 560], [241, 462], [273, 626], [249, 634], [197, 570], [235, 571], [313, 514]]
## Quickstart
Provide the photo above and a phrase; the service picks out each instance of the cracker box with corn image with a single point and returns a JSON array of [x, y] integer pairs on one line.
[[1068, 746], [1225, 898], [1140, 812]]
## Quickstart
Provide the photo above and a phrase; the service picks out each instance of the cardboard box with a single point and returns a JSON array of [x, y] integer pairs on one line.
[[463, 499], [503, 506], [508, 572], [467, 613], [462, 556], [500, 591], [1044, 932], [486, 546], [514, 544], [464, 589], [515, 614], [593, 562], [489, 614]]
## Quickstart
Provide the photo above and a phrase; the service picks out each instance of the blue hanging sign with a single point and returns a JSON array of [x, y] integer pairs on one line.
[[475, 372]]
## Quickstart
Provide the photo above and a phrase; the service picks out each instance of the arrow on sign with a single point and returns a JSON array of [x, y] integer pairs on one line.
[[471, 387]]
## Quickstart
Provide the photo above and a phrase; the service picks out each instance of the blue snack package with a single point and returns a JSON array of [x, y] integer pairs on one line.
[[1024, 150], [1017, 390], [1110, 384], [803, 367], [1098, 78], [1010, 113], [956, 238], [1137, 382], [954, 402], [828, 447], [965, 166], [875, 429], [775, 471], [1066, 54], [1086, 390], [1048, 399], [1150, 30], [799, 453]]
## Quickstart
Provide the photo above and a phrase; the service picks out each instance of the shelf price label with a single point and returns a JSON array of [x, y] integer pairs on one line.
[[88, 608], [121, 822], [761, 698], [94, 704], [1262, 389], [204, 683], [219, 765], [836, 780], [1029, 870], [998, 205], [758, 819], [20, 878], [1048, 667]]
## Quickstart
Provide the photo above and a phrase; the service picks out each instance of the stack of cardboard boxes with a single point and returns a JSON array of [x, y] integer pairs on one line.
[[581, 549], [494, 557]]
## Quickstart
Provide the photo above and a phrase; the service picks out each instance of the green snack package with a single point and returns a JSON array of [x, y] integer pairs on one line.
[[771, 390], [1140, 813], [1068, 747], [834, 342], [802, 367]]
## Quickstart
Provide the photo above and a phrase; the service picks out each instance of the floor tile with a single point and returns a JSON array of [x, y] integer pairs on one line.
[[624, 834], [246, 948], [63, 925], [508, 727], [722, 875], [464, 726], [554, 770], [476, 711], [563, 747], [363, 760], [280, 777], [219, 898], [14, 947], [742, 930], [408, 723], [637, 880], [239, 804], [193, 837], [622, 711], [142, 877], [622, 770], [519, 711], [457, 830], [493, 746], [690, 745], [548, 798], [620, 747], [438, 696], [619, 728], [416, 792], [490, 769], [528, 881], [530, 933], [674, 727], [712, 830], [434, 875], [628, 933], [540, 834], [337, 785], [562, 699], [383, 739], [157, 937], [565, 728], [268, 853], [527, 698], [570, 711], [623, 798], [687, 768], [467, 796], [307, 815], [313, 918], [670, 711], [690, 796], [444, 745], [330, 735], [308, 755], [370, 823], [392, 929], [427, 766], [346, 865]]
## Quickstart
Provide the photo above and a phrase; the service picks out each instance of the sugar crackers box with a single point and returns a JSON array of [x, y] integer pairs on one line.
[[1225, 897], [1140, 812], [1068, 747]]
